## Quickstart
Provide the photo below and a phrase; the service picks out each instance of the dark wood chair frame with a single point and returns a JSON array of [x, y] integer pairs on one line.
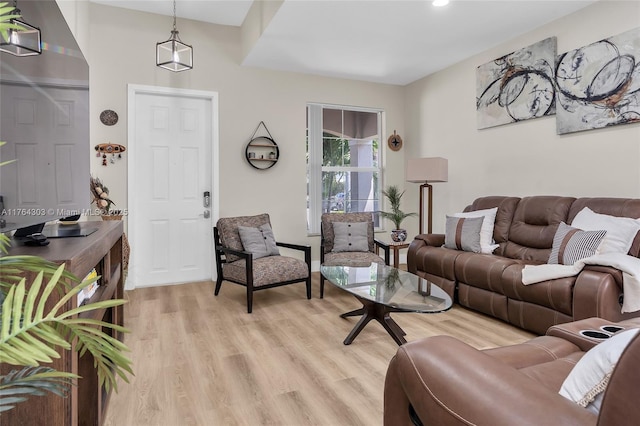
[[379, 244], [221, 253]]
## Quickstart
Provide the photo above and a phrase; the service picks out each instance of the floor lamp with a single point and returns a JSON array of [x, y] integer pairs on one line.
[[425, 170]]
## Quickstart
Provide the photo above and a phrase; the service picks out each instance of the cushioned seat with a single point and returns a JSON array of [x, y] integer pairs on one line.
[[352, 258], [555, 294], [259, 269], [267, 270], [364, 244]]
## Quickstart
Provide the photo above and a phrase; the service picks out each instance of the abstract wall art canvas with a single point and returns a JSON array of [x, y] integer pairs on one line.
[[518, 86], [599, 85]]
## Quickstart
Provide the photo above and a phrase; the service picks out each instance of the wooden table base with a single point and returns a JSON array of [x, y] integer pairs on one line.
[[380, 313]]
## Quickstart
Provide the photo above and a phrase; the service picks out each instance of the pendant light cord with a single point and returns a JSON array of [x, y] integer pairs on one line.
[[174, 15]]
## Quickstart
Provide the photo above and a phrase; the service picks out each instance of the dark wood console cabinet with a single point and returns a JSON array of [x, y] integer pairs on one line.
[[87, 401]]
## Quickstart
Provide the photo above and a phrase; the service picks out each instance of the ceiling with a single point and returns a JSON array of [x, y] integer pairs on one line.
[[394, 42]]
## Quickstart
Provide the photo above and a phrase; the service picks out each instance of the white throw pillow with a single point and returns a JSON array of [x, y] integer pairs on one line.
[[487, 244], [620, 230], [589, 377]]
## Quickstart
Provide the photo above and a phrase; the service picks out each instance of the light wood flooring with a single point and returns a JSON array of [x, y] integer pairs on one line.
[[202, 360]]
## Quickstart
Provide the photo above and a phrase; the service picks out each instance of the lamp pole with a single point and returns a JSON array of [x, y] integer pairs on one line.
[[430, 199]]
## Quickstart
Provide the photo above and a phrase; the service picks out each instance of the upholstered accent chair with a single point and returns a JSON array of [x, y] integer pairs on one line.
[[336, 240], [236, 264]]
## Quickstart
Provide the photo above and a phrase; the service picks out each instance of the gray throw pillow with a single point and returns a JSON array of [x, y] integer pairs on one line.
[[258, 241], [350, 236], [463, 233]]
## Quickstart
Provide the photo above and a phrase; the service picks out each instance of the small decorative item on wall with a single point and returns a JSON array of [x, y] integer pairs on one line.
[[109, 150], [108, 117], [517, 86], [395, 142], [599, 84]]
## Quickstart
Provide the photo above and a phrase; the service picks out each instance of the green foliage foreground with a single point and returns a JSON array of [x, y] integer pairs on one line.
[[31, 335]]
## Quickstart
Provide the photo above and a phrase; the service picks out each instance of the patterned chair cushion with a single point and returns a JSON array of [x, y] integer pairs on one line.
[[327, 220], [268, 270], [352, 258], [228, 229]]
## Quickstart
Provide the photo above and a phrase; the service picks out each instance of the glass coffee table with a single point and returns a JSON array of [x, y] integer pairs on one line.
[[382, 290]]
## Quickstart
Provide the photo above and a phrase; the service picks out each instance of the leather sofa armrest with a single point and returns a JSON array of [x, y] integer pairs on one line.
[[434, 240], [615, 273], [469, 388], [597, 294], [570, 332]]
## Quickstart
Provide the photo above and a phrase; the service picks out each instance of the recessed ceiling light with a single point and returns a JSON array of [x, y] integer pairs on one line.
[[440, 3]]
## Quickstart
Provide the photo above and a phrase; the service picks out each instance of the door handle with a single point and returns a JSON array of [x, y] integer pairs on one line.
[[207, 214]]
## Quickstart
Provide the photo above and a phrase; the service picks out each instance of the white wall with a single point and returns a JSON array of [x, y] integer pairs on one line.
[[76, 13], [435, 116], [525, 158], [122, 46]]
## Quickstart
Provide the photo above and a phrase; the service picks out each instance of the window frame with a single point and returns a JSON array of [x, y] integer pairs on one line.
[[315, 159]]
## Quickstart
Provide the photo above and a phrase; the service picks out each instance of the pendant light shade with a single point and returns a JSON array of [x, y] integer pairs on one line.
[[23, 41], [173, 54]]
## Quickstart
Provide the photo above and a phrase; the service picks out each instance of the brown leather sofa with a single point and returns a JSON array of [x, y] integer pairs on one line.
[[442, 381], [524, 229]]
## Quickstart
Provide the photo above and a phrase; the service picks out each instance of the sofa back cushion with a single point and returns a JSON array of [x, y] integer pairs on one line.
[[534, 225], [621, 207], [506, 208]]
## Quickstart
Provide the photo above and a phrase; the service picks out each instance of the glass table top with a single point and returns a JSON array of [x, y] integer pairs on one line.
[[388, 286]]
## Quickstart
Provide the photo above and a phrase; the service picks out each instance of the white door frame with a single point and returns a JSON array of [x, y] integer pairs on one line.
[[133, 90]]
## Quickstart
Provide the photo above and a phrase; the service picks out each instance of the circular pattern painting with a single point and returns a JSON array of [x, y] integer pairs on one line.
[[108, 117]]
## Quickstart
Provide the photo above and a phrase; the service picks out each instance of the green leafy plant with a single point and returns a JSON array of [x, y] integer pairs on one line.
[[7, 14], [31, 334], [396, 215], [5, 162]]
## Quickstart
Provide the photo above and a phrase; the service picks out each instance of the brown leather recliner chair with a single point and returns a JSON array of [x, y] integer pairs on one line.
[[442, 381]]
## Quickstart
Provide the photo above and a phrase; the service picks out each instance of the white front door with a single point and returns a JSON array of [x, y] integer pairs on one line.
[[172, 145]]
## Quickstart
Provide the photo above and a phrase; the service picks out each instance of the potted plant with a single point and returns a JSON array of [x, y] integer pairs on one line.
[[396, 215]]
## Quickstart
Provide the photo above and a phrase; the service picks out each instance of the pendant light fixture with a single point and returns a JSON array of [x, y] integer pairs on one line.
[[22, 41], [173, 54]]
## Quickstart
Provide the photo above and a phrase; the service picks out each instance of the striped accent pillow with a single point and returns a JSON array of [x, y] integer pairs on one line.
[[463, 233], [572, 244]]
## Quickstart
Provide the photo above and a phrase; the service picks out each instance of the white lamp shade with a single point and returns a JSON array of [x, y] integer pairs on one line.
[[431, 169]]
